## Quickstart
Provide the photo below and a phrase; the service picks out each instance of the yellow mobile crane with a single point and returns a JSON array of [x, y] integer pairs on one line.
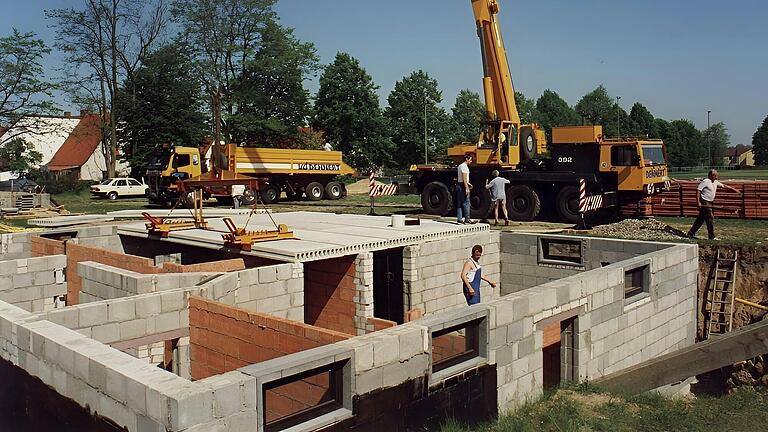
[[618, 170]]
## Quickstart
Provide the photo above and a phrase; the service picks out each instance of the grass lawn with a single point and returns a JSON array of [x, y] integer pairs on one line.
[[741, 232], [744, 174], [579, 408]]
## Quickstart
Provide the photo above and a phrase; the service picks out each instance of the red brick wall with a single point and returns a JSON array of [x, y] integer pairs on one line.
[[44, 247], [329, 290], [447, 346], [380, 324], [224, 338]]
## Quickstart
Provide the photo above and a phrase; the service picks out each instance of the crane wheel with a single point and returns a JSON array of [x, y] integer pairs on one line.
[[567, 204], [527, 143], [436, 199], [523, 203], [270, 194], [314, 191], [334, 190], [480, 203]]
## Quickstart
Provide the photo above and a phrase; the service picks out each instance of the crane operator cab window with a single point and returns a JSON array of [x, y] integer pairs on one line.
[[181, 160], [624, 156]]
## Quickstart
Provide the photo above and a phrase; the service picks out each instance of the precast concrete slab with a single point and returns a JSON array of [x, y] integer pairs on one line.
[[318, 235], [60, 221], [183, 213]]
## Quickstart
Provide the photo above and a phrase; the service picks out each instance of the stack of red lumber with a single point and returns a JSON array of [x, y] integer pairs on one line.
[[680, 200]]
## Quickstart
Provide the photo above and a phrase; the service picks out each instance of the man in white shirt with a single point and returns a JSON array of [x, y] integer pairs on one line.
[[705, 201], [237, 192], [462, 191]]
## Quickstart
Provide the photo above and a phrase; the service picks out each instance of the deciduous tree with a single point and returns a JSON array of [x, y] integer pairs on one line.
[[469, 116], [714, 142], [160, 103], [18, 156], [760, 143], [409, 100], [552, 110], [643, 122], [24, 93], [347, 110], [526, 108]]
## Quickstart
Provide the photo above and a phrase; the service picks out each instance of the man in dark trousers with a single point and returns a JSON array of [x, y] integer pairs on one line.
[[705, 200]]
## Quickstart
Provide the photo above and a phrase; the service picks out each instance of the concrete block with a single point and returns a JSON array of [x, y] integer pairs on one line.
[[146, 424], [284, 272], [172, 301], [92, 314], [369, 381], [45, 277], [267, 274], [167, 321], [226, 399], [21, 280], [147, 306], [106, 333], [121, 310], [412, 342], [394, 374], [133, 329], [187, 408]]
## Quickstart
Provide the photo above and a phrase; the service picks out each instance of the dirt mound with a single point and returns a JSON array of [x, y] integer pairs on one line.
[[359, 187]]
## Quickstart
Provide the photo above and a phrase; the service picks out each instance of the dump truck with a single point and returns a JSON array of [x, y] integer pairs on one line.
[[296, 172], [543, 179]]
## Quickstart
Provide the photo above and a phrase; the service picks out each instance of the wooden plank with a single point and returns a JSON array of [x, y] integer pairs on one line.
[[719, 351], [551, 334]]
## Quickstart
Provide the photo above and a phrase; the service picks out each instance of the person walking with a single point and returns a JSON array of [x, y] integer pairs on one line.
[[463, 187], [705, 201], [237, 192], [472, 274], [497, 186]]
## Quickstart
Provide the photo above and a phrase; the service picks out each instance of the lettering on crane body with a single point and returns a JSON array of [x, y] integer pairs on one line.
[[656, 172], [311, 166]]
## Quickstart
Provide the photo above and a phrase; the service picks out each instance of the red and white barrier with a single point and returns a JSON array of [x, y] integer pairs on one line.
[[380, 189], [588, 203]]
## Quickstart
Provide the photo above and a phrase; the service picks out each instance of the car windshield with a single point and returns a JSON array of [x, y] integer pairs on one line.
[[160, 158], [106, 182], [653, 154]]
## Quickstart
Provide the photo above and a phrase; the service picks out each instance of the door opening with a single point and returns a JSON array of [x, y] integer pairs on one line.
[[388, 285], [559, 352]]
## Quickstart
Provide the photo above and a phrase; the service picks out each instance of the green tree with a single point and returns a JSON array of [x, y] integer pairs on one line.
[[683, 143], [24, 93], [597, 107], [405, 114], [104, 43], [760, 143], [270, 93], [160, 104], [552, 111], [347, 110], [643, 122], [18, 156], [526, 108], [223, 37], [469, 116], [714, 142]]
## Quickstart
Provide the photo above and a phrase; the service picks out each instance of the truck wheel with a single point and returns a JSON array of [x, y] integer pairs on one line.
[[333, 190], [523, 203], [112, 195], [270, 194], [480, 203], [527, 144], [249, 197], [436, 199], [567, 204], [314, 191]]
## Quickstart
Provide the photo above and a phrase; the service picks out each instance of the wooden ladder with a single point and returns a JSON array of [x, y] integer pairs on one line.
[[722, 294]]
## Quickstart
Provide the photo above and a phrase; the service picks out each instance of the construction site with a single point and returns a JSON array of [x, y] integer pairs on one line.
[[174, 315]]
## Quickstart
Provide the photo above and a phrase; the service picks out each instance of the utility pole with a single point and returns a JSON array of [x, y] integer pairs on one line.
[[709, 146], [426, 158], [618, 116]]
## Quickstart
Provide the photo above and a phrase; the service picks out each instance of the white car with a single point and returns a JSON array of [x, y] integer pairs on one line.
[[119, 187]]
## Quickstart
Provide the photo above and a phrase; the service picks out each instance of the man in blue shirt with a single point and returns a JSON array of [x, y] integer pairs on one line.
[[497, 187]]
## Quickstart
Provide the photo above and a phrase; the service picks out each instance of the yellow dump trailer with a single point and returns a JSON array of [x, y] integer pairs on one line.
[[293, 172]]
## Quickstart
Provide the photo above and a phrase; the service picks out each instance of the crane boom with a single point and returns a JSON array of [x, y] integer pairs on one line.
[[498, 88]]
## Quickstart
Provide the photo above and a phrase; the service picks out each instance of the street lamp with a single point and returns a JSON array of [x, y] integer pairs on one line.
[[709, 146], [618, 116]]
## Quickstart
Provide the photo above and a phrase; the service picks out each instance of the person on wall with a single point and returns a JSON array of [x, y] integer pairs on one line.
[[472, 274], [497, 187]]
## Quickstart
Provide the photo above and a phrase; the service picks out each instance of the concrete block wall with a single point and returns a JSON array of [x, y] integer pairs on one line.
[[128, 391], [521, 266], [33, 284], [612, 333], [103, 282], [15, 246], [431, 272], [364, 293]]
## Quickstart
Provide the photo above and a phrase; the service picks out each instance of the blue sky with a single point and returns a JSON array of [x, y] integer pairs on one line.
[[679, 58]]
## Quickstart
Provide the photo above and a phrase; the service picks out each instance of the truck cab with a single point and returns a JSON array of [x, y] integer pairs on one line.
[[168, 166]]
